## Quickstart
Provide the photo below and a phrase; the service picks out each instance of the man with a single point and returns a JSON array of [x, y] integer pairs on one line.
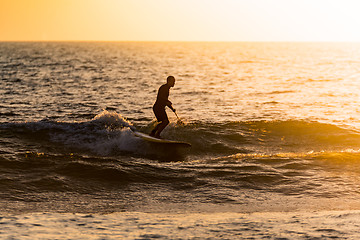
[[159, 107]]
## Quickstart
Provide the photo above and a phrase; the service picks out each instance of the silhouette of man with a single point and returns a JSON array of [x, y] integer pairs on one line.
[[159, 107]]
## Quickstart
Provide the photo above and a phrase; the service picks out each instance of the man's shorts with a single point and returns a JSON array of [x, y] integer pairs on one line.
[[160, 113]]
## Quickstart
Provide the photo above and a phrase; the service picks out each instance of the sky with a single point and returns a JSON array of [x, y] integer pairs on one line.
[[180, 20]]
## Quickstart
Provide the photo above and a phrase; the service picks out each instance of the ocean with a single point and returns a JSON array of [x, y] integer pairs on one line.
[[274, 129]]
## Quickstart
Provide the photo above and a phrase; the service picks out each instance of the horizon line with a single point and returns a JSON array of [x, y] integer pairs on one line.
[[189, 41]]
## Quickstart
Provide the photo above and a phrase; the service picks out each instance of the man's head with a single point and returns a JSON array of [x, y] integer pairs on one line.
[[170, 81]]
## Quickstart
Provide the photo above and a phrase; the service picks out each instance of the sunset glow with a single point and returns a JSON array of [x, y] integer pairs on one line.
[[180, 20]]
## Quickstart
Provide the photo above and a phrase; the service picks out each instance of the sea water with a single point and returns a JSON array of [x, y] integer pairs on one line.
[[274, 128]]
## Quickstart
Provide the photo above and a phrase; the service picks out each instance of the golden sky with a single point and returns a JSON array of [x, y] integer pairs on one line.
[[180, 20]]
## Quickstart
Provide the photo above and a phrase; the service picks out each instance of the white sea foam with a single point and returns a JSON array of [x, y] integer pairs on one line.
[[112, 119]]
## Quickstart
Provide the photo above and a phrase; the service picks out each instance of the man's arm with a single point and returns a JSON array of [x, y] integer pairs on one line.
[[163, 96], [169, 104]]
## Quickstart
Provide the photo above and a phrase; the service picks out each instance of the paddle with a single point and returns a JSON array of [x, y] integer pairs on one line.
[[179, 120]]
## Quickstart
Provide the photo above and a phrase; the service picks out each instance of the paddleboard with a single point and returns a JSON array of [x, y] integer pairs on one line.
[[161, 141]]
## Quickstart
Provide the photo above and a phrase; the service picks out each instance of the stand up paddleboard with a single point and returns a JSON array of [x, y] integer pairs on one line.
[[161, 141]]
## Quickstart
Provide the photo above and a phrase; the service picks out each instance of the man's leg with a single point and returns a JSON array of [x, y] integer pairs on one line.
[[163, 120], [155, 129], [161, 127]]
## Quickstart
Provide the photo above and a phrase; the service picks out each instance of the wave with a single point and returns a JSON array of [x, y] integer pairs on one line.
[[106, 134], [292, 158], [265, 137], [110, 134], [220, 179]]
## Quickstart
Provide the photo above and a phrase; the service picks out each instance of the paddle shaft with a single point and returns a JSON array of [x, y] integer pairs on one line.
[[179, 120], [177, 116]]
